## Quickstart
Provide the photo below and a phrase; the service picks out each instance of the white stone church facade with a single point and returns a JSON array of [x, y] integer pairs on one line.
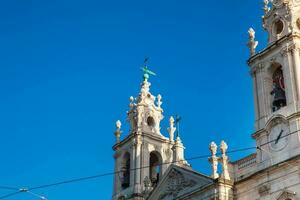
[[150, 166]]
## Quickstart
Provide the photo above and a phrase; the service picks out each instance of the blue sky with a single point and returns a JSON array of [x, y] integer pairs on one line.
[[68, 68]]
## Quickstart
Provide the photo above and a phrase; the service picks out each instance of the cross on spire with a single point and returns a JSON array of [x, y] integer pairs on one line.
[[177, 120]]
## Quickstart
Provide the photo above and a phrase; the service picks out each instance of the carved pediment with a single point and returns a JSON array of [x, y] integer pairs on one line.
[[178, 181], [264, 190]]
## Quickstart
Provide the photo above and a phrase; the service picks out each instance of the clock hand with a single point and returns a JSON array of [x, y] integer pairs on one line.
[[279, 136]]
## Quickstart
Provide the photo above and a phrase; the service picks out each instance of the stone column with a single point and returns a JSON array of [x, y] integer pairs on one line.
[[137, 171], [116, 175], [256, 100], [296, 62], [178, 153], [290, 77], [263, 93]]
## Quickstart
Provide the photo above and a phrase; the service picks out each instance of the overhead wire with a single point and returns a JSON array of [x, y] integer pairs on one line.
[[133, 169], [9, 195]]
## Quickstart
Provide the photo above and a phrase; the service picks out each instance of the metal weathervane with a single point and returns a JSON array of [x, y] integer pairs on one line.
[[146, 71]]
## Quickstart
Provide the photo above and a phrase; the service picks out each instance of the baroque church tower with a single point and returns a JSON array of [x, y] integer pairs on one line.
[[144, 155], [276, 79], [150, 166]]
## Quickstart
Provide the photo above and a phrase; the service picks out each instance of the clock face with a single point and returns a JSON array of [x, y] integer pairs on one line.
[[278, 137]]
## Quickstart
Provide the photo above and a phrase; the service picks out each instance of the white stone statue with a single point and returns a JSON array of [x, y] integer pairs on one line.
[[224, 161], [171, 128], [118, 131], [252, 44], [214, 160]]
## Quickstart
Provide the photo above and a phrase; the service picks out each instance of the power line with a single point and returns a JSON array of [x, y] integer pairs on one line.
[[133, 169], [108, 174], [10, 194]]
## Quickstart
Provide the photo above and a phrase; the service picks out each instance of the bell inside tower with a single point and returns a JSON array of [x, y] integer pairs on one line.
[[155, 167], [278, 92], [125, 171]]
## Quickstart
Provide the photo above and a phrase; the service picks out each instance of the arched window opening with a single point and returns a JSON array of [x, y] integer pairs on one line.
[[278, 92], [278, 27], [155, 168], [125, 171], [151, 121]]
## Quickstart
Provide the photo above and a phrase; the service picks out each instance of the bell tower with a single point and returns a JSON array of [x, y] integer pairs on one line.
[[276, 81], [144, 155]]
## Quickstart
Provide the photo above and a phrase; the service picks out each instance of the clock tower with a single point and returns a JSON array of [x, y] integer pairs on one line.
[[276, 81]]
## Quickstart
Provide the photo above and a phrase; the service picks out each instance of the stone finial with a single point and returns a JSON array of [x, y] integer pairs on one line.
[[213, 148], [224, 160], [171, 128], [214, 160], [118, 131], [159, 102], [252, 44], [266, 6], [131, 104], [223, 147]]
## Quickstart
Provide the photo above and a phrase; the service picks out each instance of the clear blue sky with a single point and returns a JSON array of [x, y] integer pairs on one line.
[[67, 69]]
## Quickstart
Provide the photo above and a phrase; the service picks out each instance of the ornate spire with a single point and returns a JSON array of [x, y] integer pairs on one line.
[[145, 111]]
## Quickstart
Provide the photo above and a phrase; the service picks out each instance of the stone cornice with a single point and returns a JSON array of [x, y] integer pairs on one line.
[[245, 159], [148, 135], [273, 167], [270, 47], [258, 133]]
